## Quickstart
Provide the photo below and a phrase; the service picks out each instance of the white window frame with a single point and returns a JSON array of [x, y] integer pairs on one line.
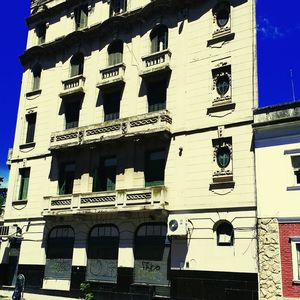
[[295, 258]]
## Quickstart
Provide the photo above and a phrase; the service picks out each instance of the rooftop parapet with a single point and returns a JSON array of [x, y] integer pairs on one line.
[[281, 113]]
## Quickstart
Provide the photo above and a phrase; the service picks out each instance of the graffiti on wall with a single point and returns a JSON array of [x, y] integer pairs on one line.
[[152, 272], [58, 268], [102, 270]]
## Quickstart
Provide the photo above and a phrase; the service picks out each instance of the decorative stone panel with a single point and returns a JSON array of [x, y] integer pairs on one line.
[[269, 259]]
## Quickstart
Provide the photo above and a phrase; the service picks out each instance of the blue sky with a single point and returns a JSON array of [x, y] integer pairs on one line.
[[278, 52]]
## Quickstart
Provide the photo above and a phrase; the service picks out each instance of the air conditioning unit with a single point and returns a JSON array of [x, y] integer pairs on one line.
[[177, 225], [6, 231]]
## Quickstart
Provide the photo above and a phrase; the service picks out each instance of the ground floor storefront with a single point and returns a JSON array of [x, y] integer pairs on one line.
[[133, 256]]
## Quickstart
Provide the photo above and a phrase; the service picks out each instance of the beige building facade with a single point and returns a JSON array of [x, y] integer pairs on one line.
[[132, 165]]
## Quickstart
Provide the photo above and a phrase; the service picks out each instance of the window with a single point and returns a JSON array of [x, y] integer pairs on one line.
[[115, 53], [222, 158], [102, 250], [157, 95], [295, 247], [222, 85], [59, 253], [159, 38], [221, 15], [112, 105], [41, 33], [155, 168], [225, 234], [66, 178], [81, 17], [151, 254], [31, 120], [77, 63], [36, 77], [117, 7], [296, 167], [105, 176], [72, 111], [24, 181]]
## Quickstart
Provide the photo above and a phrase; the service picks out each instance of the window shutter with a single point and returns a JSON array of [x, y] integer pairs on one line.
[[31, 120], [154, 44], [96, 178], [24, 184], [36, 82], [83, 17]]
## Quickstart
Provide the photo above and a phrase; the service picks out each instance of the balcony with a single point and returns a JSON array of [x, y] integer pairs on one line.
[[114, 201], [112, 76], [151, 123], [72, 86], [9, 156], [156, 63]]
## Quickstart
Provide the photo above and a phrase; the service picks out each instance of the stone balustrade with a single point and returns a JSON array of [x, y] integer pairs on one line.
[[156, 63], [72, 86], [110, 201], [154, 122], [112, 75]]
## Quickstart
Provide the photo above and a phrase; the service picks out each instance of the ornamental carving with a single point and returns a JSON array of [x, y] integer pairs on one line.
[[100, 199], [143, 196], [103, 129], [144, 122], [61, 202], [67, 136]]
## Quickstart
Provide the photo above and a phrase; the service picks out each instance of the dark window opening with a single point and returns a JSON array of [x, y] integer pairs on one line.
[[223, 84], [115, 53], [24, 182], [31, 121], [60, 243], [159, 38], [225, 234], [118, 7], [155, 168], [81, 17], [150, 242], [105, 176], [222, 14], [223, 157], [103, 242], [77, 64], [157, 95], [112, 105], [41, 33], [36, 74], [66, 178], [72, 111], [297, 173]]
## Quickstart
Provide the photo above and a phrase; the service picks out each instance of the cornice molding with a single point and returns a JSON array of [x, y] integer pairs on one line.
[[123, 21]]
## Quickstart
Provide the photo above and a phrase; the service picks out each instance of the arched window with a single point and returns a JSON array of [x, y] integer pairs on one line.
[[151, 254], [115, 52], [36, 77], [221, 14], [117, 7], [77, 63], [159, 38], [225, 233], [102, 253], [59, 253]]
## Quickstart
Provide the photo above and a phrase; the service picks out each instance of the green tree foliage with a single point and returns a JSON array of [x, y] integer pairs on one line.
[[85, 288]]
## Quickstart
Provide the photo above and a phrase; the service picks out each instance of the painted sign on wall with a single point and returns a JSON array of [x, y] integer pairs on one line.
[[102, 270]]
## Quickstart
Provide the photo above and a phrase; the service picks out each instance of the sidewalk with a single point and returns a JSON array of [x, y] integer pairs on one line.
[[29, 296]]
